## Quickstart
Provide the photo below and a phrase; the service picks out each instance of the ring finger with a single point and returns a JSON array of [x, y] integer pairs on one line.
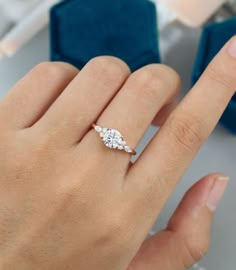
[[83, 100], [133, 109]]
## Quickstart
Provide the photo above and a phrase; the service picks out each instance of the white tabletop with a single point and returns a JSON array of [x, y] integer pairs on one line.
[[217, 155]]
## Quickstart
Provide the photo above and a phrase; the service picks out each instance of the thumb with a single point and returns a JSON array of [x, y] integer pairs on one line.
[[186, 238]]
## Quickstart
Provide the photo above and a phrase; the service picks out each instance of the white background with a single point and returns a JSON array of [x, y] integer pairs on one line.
[[217, 155]]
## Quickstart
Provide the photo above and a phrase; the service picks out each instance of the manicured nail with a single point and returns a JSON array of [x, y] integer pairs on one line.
[[217, 192], [232, 47]]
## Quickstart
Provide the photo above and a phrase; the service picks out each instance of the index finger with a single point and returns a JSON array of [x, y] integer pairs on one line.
[[171, 151]]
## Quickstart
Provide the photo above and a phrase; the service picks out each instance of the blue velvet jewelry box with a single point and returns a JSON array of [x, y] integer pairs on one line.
[[214, 36], [83, 29]]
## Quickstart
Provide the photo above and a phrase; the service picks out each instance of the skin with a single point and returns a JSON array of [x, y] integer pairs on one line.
[[68, 202]]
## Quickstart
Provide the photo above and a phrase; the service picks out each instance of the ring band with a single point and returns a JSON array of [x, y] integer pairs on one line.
[[113, 139]]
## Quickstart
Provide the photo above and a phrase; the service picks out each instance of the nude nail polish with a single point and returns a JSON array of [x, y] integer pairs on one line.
[[217, 192]]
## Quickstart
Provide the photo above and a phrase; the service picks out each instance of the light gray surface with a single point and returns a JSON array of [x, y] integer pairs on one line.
[[218, 154]]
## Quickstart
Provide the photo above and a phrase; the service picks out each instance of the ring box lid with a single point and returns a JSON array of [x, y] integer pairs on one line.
[[84, 29]]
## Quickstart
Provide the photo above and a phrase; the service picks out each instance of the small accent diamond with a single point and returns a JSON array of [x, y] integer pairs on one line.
[[115, 145], [120, 147], [128, 149], [98, 129]]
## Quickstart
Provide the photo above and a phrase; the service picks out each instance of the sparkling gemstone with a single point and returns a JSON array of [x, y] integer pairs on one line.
[[115, 145], [128, 149], [112, 139], [120, 141], [98, 129]]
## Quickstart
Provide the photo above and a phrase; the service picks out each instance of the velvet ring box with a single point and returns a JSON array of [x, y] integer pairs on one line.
[[214, 36], [83, 29]]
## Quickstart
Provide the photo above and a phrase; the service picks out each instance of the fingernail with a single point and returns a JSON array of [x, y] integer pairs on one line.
[[232, 47], [217, 192]]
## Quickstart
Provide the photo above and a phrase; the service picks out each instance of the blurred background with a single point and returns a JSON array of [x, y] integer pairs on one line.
[[180, 28]]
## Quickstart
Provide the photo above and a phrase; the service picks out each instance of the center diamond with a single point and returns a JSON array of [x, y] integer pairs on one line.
[[113, 139]]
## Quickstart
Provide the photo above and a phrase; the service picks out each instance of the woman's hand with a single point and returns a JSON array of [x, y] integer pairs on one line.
[[68, 202]]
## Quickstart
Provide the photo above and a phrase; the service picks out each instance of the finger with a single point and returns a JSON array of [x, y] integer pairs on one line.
[[165, 112], [33, 95], [186, 239], [141, 98], [84, 99], [170, 153]]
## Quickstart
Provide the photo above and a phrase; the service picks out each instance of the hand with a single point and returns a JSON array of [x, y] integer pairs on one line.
[[68, 202]]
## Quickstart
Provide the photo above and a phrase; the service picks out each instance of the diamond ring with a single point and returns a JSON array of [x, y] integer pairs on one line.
[[113, 139]]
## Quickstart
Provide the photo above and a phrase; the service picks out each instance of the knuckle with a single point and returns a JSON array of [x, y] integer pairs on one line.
[[221, 71], [113, 225], [53, 69], [150, 76], [223, 79], [192, 245], [193, 249], [113, 68], [186, 130], [197, 250], [114, 233], [153, 78], [168, 74]]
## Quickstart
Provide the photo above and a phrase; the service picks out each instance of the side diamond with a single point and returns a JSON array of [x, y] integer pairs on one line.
[[128, 149], [98, 129]]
